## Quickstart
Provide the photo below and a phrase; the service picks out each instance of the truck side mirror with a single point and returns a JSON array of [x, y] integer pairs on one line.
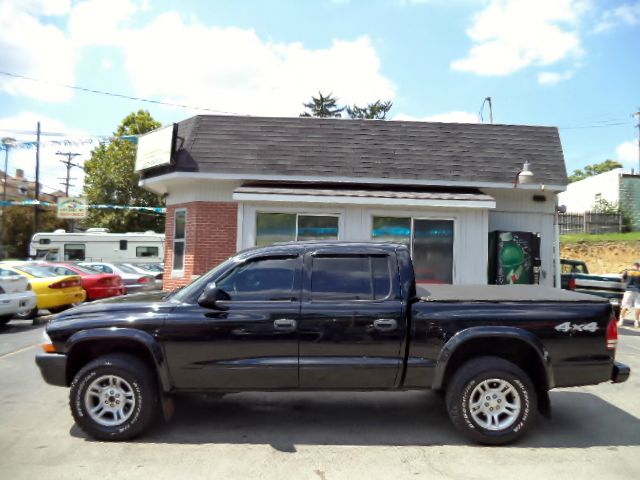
[[211, 295]]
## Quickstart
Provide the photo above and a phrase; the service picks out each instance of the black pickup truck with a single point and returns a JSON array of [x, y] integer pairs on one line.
[[330, 316]]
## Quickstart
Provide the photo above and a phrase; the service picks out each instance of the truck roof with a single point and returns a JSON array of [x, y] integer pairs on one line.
[[344, 246]]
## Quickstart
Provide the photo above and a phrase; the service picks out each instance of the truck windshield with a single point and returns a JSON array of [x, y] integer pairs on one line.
[[199, 283]]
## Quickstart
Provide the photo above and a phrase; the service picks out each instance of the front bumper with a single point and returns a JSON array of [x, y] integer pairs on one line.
[[620, 372], [53, 368]]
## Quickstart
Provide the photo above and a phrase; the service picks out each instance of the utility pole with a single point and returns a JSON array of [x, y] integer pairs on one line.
[[69, 164], [637, 114], [490, 110], [36, 212]]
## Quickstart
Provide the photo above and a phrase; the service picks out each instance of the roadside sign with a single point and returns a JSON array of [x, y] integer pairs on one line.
[[73, 208]]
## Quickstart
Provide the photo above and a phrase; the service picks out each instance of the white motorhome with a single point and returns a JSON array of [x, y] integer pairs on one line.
[[98, 245]]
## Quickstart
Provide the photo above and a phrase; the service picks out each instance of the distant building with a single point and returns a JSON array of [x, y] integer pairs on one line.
[[20, 188], [613, 186]]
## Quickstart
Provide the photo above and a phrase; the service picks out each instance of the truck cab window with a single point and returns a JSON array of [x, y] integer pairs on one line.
[[269, 279]]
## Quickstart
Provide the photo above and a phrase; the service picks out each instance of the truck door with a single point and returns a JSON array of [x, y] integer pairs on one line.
[[251, 342], [352, 323]]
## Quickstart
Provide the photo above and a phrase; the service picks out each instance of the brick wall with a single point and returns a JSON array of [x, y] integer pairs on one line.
[[210, 238]]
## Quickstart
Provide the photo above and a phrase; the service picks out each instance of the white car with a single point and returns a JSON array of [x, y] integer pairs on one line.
[[148, 270], [16, 296]]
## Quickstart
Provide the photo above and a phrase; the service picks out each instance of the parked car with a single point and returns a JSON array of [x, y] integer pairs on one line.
[[331, 316], [133, 280], [54, 292], [96, 283], [148, 269], [575, 276], [16, 295]]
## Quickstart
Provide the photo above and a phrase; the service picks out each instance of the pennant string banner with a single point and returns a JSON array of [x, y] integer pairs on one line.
[[70, 142], [31, 202]]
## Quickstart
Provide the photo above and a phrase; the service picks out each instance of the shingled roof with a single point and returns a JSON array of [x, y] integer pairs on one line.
[[337, 149]]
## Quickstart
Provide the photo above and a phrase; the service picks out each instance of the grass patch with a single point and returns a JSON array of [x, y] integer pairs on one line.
[[601, 237]]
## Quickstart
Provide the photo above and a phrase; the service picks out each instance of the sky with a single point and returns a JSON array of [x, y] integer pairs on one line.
[[574, 64]]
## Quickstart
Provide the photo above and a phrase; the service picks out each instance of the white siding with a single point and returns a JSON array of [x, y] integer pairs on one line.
[[517, 211], [581, 196]]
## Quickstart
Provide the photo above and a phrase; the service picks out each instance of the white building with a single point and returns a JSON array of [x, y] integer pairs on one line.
[[237, 182], [583, 195]]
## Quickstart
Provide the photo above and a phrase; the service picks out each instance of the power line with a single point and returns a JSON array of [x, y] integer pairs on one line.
[[118, 95]]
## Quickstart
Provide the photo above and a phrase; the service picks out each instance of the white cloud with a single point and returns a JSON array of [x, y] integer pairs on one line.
[[510, 35], [233, 69], [454, 116], [625, 14], [22, 127], [551, 78], [36, 49], [627, 153], [100, 22]]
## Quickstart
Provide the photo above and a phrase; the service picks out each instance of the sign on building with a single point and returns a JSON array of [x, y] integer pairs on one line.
[[155, 148], [73, 208]]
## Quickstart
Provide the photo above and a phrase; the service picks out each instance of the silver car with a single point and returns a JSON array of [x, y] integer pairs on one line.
[[134, 280], [149, 269]]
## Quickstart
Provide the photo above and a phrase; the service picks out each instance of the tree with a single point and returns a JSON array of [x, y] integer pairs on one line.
[[375, 111], [323, 106], [18, 228], [110, 179], [595, 169]]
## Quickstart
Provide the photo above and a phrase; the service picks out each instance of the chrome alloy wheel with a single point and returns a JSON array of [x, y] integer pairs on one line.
[[109, 400], [494, 404]]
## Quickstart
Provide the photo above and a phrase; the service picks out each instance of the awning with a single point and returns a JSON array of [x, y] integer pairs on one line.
[[352, 194]]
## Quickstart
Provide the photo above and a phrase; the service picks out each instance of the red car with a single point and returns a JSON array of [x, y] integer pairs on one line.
[[97, 284]]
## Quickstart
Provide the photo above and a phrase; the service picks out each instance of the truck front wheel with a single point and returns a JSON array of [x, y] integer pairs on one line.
[[114, 397], [491, 400]]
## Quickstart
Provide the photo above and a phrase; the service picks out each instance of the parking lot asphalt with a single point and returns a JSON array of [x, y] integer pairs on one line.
[[594, 433]]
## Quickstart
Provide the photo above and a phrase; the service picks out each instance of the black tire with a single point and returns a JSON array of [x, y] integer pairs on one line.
[[4, 319], [465, 386], [27, 315], [142, 385]]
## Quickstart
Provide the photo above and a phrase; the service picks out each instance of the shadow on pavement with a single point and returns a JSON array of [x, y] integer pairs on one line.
[[17, 326], [284, 420], [629, 331]]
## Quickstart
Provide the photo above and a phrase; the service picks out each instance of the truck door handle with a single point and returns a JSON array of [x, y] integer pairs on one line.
[[285, 324], [385, 324]]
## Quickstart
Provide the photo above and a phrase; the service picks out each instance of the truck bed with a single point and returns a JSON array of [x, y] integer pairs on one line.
[[500, 293]]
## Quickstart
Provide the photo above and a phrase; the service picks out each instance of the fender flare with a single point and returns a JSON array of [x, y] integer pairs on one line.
[[146, 341], [460, 339]]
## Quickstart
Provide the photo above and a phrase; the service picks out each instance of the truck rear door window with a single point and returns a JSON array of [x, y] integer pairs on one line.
[[358, 277]]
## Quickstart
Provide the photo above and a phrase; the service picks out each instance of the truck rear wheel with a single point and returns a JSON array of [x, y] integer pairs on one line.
[[491, 400], [114, 397]]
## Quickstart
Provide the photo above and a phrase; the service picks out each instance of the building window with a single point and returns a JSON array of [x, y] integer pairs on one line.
[[430, 242], [179, 234], [146, 251], [285, 227], [74, 251], [123, 244]]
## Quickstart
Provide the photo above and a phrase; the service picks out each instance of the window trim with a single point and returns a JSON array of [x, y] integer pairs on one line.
[[413, 218], [297, 215], [178, 272]]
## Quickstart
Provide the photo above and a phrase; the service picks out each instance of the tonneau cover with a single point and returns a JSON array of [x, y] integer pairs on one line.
[[500, 293]]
